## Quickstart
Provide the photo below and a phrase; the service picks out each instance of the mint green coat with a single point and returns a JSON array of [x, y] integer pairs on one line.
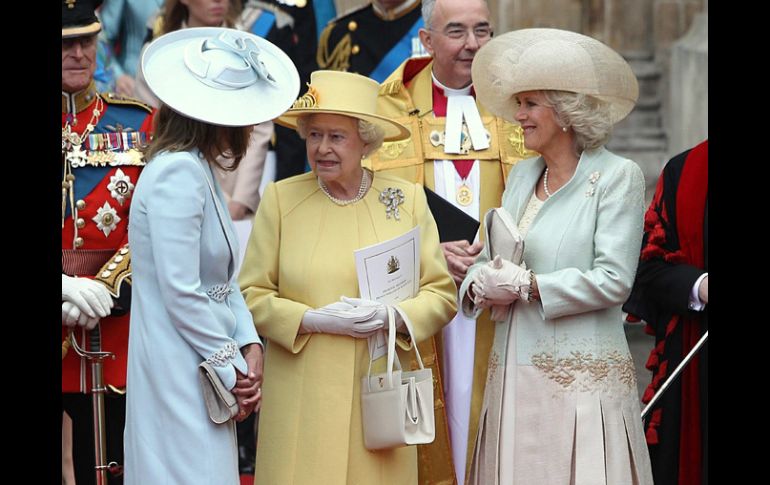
[[562, 364]]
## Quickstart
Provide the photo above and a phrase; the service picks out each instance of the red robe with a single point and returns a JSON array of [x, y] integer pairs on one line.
[[674, 255]]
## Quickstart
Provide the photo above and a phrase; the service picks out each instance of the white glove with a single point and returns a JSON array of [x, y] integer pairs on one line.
[[72, 316], [90, 296], [500, 282], [342, 318], [382, 311]]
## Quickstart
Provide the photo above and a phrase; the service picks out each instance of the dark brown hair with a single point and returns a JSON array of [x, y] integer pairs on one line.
[[175, 12], [175, 132]]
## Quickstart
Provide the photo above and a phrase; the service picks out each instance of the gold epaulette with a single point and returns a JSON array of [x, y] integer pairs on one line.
[[114, 98], [339, 58], [116, 271]]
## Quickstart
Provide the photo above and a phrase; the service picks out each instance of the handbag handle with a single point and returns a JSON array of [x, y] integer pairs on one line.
[[392, 356]]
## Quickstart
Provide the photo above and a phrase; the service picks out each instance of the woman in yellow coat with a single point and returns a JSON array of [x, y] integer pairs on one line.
[[300, 263]]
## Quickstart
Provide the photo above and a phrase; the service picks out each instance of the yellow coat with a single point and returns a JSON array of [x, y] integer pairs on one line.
[[410, 102], [300, 256]]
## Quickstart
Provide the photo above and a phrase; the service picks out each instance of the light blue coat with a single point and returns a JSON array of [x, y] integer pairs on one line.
[[186, 308]]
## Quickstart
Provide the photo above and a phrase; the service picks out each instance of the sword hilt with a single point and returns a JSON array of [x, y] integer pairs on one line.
[[91, 355]]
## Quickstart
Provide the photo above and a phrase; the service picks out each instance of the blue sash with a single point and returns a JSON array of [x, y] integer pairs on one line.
[[261, 27], [398, 54], [324, 12]]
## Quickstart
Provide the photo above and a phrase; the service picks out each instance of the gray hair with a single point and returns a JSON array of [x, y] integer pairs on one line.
[[371, 134], [588, 116], [427, 12]]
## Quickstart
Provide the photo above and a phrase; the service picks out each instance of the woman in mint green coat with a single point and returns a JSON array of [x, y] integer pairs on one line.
[[561, 405]]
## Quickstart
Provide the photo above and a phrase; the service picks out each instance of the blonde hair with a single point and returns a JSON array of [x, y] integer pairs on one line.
[[586, 115]]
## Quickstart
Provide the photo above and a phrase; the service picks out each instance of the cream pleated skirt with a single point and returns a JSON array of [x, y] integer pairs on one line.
[[554, 421]]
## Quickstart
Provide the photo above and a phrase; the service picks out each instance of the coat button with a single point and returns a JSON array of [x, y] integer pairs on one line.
[[112, 266], [355, 49], [81, 204], [118, 259], [352, 25], [78, 242], [80, 223], [106, 274]]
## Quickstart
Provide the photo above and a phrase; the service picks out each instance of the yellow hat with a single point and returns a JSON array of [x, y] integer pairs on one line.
[[342, 93]]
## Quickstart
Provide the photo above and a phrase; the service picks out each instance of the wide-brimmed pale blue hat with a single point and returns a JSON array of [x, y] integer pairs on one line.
[[220, 76]]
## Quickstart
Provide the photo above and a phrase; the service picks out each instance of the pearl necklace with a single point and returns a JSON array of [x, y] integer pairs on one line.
[[361, 191], [545, 184]]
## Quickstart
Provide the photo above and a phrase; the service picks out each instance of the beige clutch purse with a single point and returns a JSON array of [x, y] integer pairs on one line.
[[220, 402], [503, 236]]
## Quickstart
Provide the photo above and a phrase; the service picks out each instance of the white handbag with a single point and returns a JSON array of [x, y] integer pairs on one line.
[[397, 406]]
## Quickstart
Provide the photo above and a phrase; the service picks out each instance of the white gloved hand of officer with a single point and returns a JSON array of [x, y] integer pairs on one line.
[[90, 296], [500, 282], [72, 316], [342, 318]]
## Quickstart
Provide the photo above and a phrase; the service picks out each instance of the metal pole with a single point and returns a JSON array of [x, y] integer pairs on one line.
[[676, 372]]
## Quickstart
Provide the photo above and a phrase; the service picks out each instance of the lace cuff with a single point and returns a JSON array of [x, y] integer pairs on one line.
[[223, 356]]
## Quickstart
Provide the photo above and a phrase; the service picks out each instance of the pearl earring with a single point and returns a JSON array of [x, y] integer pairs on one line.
[[564, 129]]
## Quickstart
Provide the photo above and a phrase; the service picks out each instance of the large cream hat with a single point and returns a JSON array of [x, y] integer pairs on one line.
[[551, 59], [220, 76], [342, 93]]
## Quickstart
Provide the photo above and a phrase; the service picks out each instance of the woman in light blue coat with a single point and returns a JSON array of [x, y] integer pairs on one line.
[[214, 84], [560, 405]]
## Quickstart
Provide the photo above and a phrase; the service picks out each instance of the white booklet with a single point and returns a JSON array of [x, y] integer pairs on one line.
[[389, 272]]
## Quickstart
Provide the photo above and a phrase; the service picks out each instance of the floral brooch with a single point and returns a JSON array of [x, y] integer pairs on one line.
[[592, 179], [392, 198]]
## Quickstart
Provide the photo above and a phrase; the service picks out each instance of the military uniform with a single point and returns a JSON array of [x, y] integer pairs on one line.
[[406, 96], [98, 178], [370, 41]]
